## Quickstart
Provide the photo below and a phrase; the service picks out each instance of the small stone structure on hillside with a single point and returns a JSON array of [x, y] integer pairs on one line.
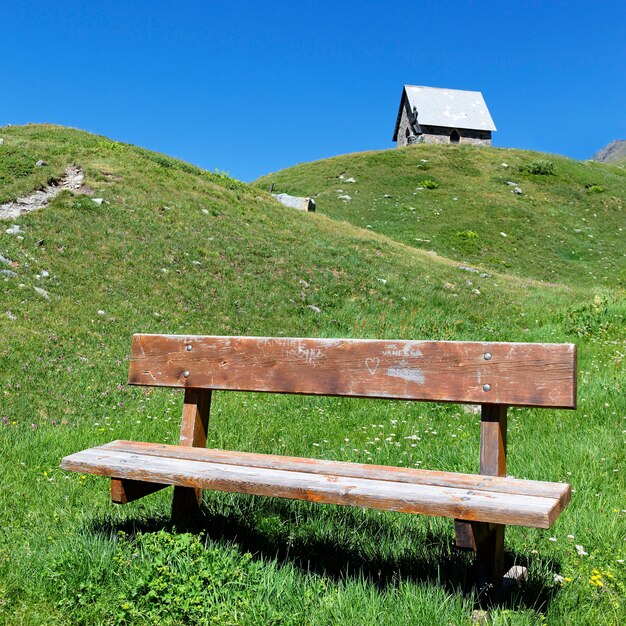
[[434, 115], [302, 204]]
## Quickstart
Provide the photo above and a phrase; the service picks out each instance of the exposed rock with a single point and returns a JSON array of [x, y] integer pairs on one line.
[[98, 201], [510, 183], [1, 141], [41, 163], [467, 268], [14, 229], [517, 190], [11, 316], [71, 179], [615, 151], [349, 180], [42, 292], [345, 198], [8, 273], [4, 260], [314, 308], [476, 292], [517, 575], [387, 195], [485, 275], [503, 235]]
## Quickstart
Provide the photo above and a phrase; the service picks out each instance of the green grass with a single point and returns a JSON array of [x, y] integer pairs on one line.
[[174, 249], [565, 227]]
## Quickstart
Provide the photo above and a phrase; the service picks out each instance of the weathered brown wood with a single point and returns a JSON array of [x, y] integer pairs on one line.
[[519, 374], [493, 425], [490, 559], [125, 491], [472, 535], [193, 433], [459, 503], [493, 436], [557, 491]]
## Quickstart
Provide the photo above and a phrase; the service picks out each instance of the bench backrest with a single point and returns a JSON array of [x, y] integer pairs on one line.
[[513, 374]]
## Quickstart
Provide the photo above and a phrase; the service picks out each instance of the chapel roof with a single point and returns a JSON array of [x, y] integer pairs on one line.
[[452, 108]]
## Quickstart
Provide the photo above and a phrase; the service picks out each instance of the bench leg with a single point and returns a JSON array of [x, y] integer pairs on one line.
[[490, 559], [193, 432], [487, 541]]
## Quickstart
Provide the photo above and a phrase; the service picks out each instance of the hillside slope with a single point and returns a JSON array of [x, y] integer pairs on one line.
[[531, 214], [174, 249]]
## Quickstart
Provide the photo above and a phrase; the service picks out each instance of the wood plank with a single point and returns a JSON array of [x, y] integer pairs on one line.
[[521, 374], [473, 505], [518, 486], [193, 433], [125, 491]]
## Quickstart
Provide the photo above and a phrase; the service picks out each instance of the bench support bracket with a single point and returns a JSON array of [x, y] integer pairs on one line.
[[193, 432], [125, 490]]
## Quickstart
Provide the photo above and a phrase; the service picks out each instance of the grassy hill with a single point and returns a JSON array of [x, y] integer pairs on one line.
[[566, 225], [174, 249]]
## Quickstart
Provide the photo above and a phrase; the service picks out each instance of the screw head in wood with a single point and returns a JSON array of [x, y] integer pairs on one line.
[[186, 374], [487, 356], [486, 387]]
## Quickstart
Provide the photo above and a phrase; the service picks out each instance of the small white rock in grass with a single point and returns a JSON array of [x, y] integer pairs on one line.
[[4, 260], [510, 183], [551, 538], [8, 273], [503, 235], [42, 292], [345, 198], [98, 200], [14, 229], [517, 190], [205, 211], [45, 274], [504, 164], [387, 195], [314, 308], [349, 180], [476, 292], [423, 160], [11, 316], [101, 312], [382, 280]]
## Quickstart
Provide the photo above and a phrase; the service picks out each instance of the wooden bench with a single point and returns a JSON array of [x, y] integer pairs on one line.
[[494, 375]]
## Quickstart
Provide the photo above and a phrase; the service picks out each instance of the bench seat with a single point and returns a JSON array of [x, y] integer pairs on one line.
[[470, 497]]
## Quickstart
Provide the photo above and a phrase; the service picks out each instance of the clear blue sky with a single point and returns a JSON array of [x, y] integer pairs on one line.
[[252, 87]]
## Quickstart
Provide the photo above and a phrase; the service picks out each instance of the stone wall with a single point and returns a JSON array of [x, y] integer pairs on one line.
[[440, 134]]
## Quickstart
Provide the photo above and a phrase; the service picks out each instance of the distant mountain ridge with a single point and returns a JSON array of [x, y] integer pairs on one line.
[[611, 153]]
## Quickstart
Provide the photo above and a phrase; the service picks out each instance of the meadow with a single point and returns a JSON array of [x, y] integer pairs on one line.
[[175, 249]]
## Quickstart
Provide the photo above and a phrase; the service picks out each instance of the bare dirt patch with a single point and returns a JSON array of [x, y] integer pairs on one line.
[[72, 179]]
